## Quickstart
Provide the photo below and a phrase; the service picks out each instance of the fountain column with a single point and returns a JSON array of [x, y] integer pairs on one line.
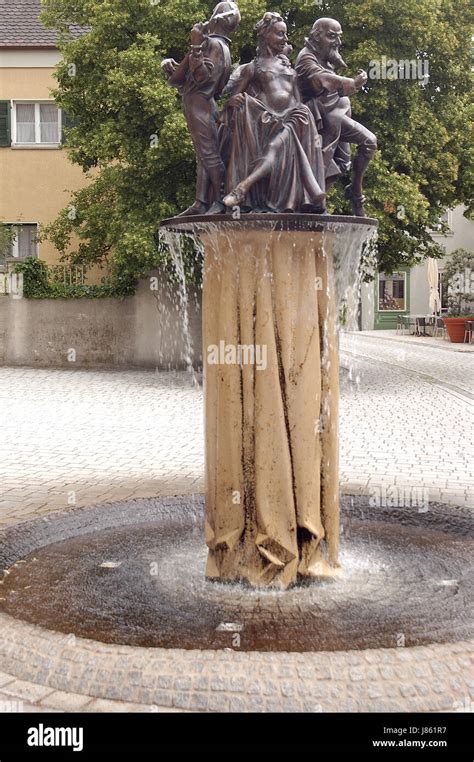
[[271, 403]]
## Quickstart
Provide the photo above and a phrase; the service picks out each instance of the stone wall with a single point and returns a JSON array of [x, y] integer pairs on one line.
[[141, 331]]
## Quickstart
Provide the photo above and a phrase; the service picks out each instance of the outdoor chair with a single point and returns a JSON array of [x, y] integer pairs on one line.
[[468, 330], [439, 327], [409, 323], [430, 324], [401, 324]]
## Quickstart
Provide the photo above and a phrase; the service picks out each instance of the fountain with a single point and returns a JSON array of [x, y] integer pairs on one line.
[[123, 592], [270, 292]]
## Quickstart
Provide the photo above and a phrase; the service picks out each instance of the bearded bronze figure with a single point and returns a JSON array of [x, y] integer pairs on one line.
[[327, 95]]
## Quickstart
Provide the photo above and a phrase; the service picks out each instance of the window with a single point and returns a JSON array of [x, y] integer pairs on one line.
[[21, 243], [36, 123], [445, 219], [392, 290]]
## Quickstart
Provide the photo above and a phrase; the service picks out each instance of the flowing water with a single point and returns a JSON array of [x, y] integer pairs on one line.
[[133, 573], [174, 243], [262, 282]]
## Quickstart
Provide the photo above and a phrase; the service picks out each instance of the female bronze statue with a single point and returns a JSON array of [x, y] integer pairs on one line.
[[271, 149]]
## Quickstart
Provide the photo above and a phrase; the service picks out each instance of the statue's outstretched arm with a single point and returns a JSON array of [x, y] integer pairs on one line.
[[321, 79], [178, 71], [198, 62], [333, 83]]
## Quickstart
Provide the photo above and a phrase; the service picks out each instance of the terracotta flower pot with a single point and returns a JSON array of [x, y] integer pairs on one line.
[[455, 327]]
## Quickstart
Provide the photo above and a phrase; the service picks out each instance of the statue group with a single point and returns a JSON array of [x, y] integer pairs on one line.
[[283, 136]]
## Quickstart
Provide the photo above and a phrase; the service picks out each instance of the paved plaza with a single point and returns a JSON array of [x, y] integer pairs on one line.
[[82, 437], [77, 438], [407, 419]]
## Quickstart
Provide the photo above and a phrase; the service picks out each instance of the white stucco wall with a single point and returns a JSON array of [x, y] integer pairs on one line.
[[461, 236], [22, 58], [368, 301]]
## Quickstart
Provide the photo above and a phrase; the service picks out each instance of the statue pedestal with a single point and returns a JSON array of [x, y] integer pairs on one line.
[[270, 353]]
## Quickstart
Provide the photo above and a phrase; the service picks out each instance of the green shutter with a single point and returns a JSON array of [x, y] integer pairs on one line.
[[5, 138], [67, 123]]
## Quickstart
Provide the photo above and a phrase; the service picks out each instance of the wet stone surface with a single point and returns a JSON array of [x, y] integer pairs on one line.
[[132, 573]]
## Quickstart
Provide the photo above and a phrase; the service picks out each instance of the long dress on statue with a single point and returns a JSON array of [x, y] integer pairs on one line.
[[296, 181]]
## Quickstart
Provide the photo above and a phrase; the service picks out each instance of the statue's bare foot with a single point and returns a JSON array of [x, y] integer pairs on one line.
[[197, 208], [235, 197], [357, 202]]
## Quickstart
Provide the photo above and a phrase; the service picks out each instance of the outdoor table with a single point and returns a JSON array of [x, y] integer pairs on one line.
[[429, 320]]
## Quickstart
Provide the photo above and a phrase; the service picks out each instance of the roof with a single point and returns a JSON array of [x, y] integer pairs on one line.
[[20, 26]]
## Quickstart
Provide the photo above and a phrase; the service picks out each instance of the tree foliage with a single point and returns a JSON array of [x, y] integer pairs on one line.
[[130, 134], [6, 239]]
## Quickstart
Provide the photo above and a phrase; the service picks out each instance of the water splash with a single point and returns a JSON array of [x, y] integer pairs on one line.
[[175, 243]]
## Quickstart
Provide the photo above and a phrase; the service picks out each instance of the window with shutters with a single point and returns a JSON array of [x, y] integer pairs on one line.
[[36, 123]]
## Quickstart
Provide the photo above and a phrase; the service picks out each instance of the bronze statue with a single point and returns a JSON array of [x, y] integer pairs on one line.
[[264, 153], [200, 78], [326, 93], [271, 146]]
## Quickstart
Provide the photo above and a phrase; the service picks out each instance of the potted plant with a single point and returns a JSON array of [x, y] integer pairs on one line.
[[458, 277]]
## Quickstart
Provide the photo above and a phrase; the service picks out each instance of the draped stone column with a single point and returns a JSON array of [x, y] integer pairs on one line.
[[271, 405]]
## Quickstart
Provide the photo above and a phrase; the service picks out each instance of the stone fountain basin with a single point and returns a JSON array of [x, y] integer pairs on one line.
[[132, 573]]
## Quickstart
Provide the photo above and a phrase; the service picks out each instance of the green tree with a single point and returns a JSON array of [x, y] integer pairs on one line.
[[6, 239], [130, 134]]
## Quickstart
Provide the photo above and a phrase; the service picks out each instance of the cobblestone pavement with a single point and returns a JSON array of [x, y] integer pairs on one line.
[[407, 420], [81, 437]]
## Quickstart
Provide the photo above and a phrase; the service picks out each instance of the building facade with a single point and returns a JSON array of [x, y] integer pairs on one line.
[[36, 177], [406, 291]]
